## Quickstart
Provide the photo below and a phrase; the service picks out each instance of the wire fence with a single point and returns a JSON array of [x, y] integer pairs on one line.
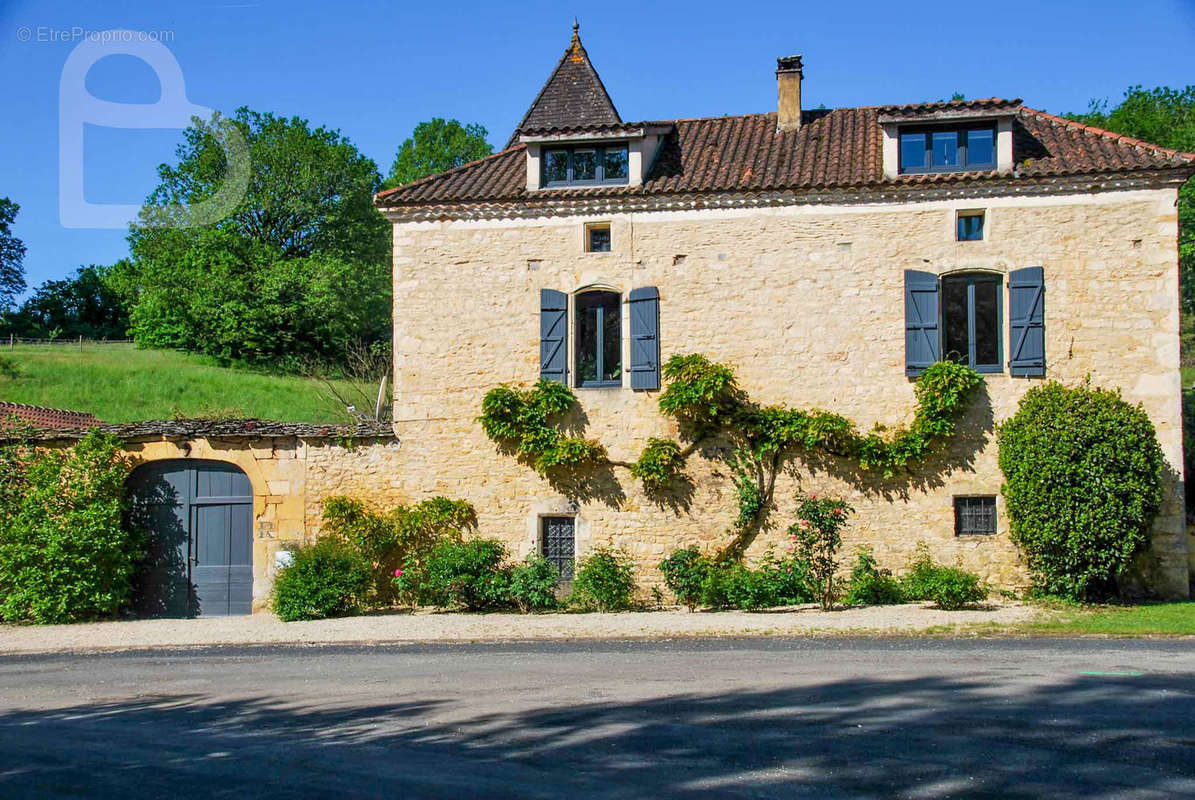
[[12, 342]]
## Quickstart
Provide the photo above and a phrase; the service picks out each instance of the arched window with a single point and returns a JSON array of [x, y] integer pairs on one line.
[[598, 343], [971, 316]]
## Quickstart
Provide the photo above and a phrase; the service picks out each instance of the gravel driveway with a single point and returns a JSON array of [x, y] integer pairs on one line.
[[431, 627]]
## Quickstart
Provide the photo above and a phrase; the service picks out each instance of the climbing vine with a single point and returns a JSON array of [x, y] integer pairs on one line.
[[708, 404]]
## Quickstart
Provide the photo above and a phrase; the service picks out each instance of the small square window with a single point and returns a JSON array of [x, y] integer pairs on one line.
[[558, 544], [974, 516], [597, 238], [970, 226]]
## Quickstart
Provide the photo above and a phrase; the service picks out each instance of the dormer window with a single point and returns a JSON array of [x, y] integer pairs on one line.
[[947, 149], [585, 166]]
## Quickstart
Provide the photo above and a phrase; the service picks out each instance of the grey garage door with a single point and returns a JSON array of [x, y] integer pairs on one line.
[[199, 515]]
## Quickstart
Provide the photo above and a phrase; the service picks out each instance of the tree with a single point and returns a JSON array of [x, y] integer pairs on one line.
[[1165, 117], [435, 146], [299, 269], [80, 305], [12, 256]]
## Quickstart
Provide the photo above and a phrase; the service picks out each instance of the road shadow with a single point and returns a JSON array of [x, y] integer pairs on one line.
[[1089, 736]]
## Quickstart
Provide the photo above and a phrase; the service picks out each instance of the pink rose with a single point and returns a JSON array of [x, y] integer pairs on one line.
[[398, 573]]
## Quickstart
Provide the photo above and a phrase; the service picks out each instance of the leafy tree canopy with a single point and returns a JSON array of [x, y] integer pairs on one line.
[[12, 256], [297, 271], [1165, 117], [435, 146], [80, 305]]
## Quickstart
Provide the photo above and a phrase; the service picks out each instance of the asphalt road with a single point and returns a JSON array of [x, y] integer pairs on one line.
[[752, 718]]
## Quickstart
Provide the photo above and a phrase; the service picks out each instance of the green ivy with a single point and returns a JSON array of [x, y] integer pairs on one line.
[[524, 420], [705, 399]]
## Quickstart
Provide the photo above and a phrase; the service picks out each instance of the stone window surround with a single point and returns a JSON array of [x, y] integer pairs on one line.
[[600, 285], [555, 507]]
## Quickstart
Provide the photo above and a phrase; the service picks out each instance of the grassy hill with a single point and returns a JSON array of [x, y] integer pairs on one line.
[[119, 383]]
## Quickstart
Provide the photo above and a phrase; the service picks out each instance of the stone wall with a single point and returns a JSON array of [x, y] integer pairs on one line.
[[291, 477], [807, 304]]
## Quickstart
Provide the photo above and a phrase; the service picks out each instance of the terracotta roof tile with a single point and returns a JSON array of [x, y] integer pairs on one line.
[[40, 417], [833, 149]]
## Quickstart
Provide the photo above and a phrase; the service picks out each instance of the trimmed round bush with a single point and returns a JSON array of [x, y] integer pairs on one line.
[[533, 584], [1083, 484], [471, 575], [605, 581], [325, 579], [684, 571]]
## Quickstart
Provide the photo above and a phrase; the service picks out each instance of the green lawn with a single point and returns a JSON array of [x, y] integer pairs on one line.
[[119, 383], [1157, 619]]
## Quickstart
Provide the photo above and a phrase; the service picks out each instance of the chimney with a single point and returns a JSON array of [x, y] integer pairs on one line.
[[788, 82]]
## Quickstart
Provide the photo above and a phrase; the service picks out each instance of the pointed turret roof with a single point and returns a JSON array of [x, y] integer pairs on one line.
[[573, 97]]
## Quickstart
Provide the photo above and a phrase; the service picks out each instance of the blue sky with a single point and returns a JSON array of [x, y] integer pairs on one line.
[[374, 70]]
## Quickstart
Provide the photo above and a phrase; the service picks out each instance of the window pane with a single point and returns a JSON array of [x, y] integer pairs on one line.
[[615, 165], [987, 323], [599, 239], [586, 354], [970, 227], [584, 165], [946, 148], [954, 319], [611, 340], [912, 150], [555, 166], [981, 147]]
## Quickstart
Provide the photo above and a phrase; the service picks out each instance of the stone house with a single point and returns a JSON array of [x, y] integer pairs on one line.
[[828, 255]]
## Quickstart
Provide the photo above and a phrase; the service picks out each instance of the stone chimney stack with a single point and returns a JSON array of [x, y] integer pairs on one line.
[[788, 83]]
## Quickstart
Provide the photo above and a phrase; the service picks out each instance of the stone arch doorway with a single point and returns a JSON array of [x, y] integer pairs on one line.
[[199, 517]]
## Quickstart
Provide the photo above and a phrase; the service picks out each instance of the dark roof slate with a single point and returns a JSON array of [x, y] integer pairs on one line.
[[249, 429], [573, 96], [833, 149]]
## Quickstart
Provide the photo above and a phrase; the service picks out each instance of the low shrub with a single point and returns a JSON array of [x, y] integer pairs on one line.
[[684, 572], [869, 585], [9, 369], [65, 553], [775, 582], [955, 588], [947, 587], [1083, 484], [325, 579], [605, 581], [396, 540], [471, 575], [532, 585]]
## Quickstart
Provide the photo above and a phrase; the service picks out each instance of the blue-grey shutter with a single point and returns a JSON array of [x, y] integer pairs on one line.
[[645, 338], [921, 320], [553, 335], [1026, 318]]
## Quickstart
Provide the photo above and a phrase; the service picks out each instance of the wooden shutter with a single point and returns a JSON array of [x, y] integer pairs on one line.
[[645, 338], [921, 320], [1026, 317], [553, 335]]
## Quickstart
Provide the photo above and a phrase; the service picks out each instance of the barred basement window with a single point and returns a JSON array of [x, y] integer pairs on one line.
[[974, 516], [558, 543]]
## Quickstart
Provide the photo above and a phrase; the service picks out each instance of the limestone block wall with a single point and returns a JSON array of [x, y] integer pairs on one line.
[[807, 304], [291, 477]]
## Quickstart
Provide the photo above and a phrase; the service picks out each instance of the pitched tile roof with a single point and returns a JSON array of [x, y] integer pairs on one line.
[[40, 417], [573, 96], [833, 149]]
